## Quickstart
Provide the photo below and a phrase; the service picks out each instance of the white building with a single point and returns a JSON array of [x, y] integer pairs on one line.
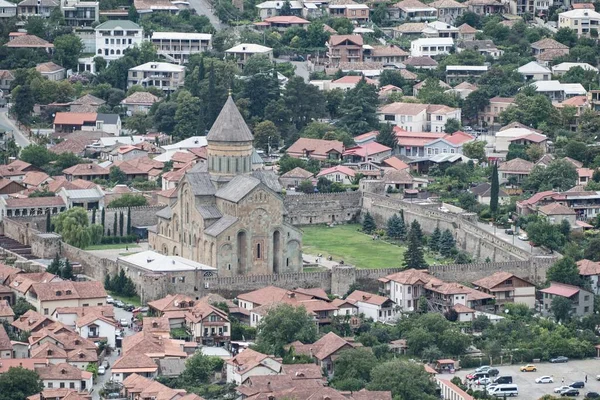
[[532, 71], [271, 8], [167, 77], [590, 270], [7, 9], [413, 117], [114, 37], [582, 21], [94, 326], [557, 91], [251, 363], [431, 46], [80, 13], [379, 308], [563, 68], [242, 52], [178, 46]]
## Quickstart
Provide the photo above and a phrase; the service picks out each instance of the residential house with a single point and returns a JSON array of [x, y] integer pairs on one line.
[[585, 175], [164, 76], [344, 48], [484, 47], [36, 8], [292, 179], [344, 307], [466, 32], [32, 321], [68, 316], [51, 71], [11, 207], [347, 82], [115, 36], [69, 122], [402, 180], [273, 294], [177, 47], [385, 92], [379, 308], [507, 288], [6, 79], [88, 199], [131, 364], [440, 29], [65, 376], [16, 170], [242, 52], [460, 73], [283, 22], [548, 45], [35, 179], [409, 30], [46, 297], [317, 149], [414, 117], [555, 213], [79, 13], [491, 113], [349, 9], [431, 46], [558, 91], [6, 312], [339, 173], [448, 10], [485, 7], [272, 8], [417, 87], [139, 102], [517, 169], [584, 22], [412, 11], [424, 62], [208, 324], [324, 350], [385, 54], [462, 90], [533, 71], [582, 300], [29, 42], [87, 172], [6, 348], [97, 327], [519, 135], [8, 186], [250, 363], [141, 388], [7, 9], [563, 68], [483, 193], [367, 152], [590, 270]]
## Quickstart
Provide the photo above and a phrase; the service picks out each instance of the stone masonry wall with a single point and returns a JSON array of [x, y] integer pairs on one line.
[[322, 208]]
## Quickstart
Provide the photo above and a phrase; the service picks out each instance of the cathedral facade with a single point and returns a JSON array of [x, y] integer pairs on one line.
[[226, 215]]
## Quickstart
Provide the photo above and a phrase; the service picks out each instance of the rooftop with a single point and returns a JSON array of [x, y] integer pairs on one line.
[[156, 262]]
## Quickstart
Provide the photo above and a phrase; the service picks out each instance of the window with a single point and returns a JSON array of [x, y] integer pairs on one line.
[[72, 385], [46, 311], [62, 385], [50, 385], [225, 328], [388, 117], [409, 289], [409, 303], [86, 305], [586, 298], [258, 253]]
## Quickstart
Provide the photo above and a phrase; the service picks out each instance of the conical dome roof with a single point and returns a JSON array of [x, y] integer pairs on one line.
[[230, 125]]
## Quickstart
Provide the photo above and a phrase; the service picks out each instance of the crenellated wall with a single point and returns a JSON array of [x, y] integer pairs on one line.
[[322, 208]]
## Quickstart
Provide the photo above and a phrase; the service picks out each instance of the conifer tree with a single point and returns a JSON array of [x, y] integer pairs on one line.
[[107, 282], [121, 223], [67, 271], [93, 216], [128, 220], [392, 227], [494, 191], [54, 267], [103, 217], [414, 257], [115, 225], [401, 226], [368, 224], [417, 228], [434, 240], [48, 223], [446, 243]]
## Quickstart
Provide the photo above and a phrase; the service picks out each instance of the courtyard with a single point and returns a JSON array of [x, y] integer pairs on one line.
[[345, 242]]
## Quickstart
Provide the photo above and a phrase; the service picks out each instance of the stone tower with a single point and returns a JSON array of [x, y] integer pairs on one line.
[[230, 146]]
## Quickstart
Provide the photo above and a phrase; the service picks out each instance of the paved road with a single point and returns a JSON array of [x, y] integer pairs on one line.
[[513, 239], [113, 254], [20, 138], [203, 7]]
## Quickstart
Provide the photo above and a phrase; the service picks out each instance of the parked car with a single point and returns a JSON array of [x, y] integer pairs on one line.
[[129, 307], [570, 393], [297, 58], [124, 322], [119, 304], [577, 384], [484, 381], [561, 389], [523, 237], [528, 368], [109, 300], [559, 359], [493, 372], [509, 231], [467, 128], [101, 370], [592, 395], [483, 368], [544, 379]]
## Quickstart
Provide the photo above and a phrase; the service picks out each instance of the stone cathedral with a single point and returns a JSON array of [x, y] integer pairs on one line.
[[226, 215]]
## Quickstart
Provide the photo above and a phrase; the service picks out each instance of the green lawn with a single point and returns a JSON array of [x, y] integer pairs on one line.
[[344, 242], [112, 246]]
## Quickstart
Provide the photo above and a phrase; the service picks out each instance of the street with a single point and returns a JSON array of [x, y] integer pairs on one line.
[[101, 379], [20, 139], [203, 7], [512, 239]]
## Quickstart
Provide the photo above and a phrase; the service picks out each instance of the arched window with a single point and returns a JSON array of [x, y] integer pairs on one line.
[[99, 51], [112, 51], [118, 51]]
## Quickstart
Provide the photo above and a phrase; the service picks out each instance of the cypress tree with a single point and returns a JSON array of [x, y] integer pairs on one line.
[[121, 225], [201, 70], [128, 220], [213, 100], [67, 271], [368, 224], [107, 282], [494, 190], [447, 243], [401, 227], [415, 226], [115, 225], [93, 216], [103, 217], [413, 257], [434, 240], [48, 223]]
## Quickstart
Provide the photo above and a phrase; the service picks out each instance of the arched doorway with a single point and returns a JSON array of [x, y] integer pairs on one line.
[[276, 251], [242, 252]]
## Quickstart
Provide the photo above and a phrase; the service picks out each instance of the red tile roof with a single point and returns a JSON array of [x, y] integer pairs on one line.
[[338, 168], [30, 41], [588, 267], [561, 289], [315, 147], [281, 19], [353, 80], [335, 40], [69, 118], [367, 149]]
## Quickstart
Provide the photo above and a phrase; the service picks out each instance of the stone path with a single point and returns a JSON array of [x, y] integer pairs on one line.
[[112, 254], [323, 262]]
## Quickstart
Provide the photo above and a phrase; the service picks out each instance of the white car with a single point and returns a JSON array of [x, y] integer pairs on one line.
[[523, 237], [109, 300], [484, 381], [101, 370], [561, 388], [483, 368], [544, 379], [124, 322]]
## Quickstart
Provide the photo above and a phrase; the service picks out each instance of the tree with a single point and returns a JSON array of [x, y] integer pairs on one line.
[[432, 353], [564, 271], [305, 102], [36, 154], [266, 135], [413, 257], [139, 123], [67, 49], [559, 175], [529, 110], [394, 230], [54, 267], [121, 223], [542, 233], [452, 125], [188, 117], [103, 218], [566, 36], [18, 383], [128, 220], [406, 380], [200, 368], [73, 225], [94, 216], [282, 325], [306, 187], [359, 109], [128, 200], [36, 26], [387, 136], [368, 225], [117, 175], [434, 240], [67, 271], [115, 225], [447, 244], [48, 222], [416, 227], [21, 307], [475, 149], [354, 364], [494, 190], [562, 308]]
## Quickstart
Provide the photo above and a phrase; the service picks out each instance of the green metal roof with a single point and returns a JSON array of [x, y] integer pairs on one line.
[[119, 23]]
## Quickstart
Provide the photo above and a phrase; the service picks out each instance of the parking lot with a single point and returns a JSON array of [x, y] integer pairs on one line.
[[575, 370]]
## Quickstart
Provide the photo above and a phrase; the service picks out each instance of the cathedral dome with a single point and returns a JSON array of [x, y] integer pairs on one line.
[[230, 126]]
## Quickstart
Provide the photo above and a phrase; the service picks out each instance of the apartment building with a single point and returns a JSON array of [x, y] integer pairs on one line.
[[167, 77], [114, 37], [345, 48], [412, 11], [413, 117], [448, 10], [431, 46], [80, 13], [177, 47], [460, 73], [7, 9], [582, 21], [491, 112], [36, 8], [507, 288], [242, 52], [349, 9]]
